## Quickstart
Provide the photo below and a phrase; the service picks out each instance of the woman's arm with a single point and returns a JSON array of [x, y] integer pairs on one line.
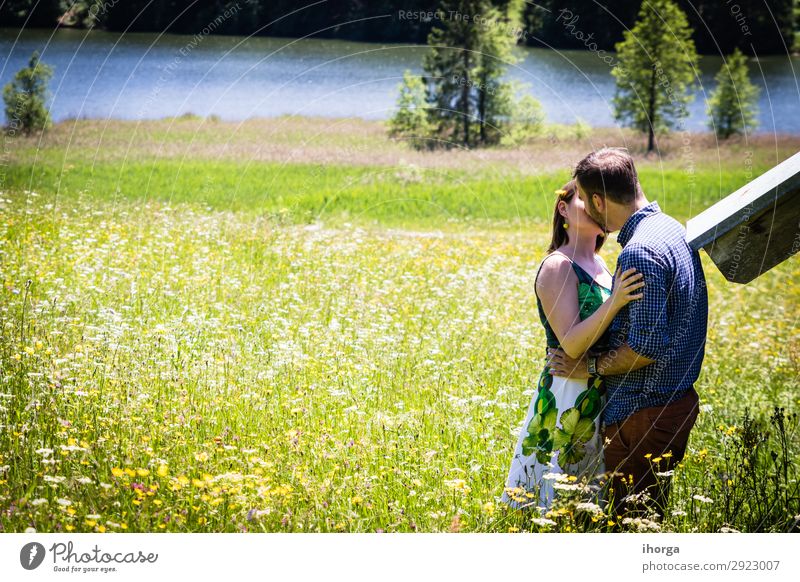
[[557, 287]]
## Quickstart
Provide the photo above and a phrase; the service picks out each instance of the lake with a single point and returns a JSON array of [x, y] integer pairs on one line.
[[143, 76]]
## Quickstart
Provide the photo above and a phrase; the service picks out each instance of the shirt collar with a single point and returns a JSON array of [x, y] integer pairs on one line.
[[627, 230]]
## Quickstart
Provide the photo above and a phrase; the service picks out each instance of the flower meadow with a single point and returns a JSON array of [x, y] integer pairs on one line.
[[180, 368]]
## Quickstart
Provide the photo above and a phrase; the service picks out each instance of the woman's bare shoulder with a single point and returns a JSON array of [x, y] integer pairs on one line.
[[556, 270]]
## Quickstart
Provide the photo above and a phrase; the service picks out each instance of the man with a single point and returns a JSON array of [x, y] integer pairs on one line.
[[657, 343]]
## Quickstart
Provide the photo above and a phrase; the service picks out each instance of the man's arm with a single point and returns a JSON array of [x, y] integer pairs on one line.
[[621, 361], [618, 361]]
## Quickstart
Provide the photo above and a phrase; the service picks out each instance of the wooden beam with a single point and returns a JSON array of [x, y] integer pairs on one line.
[[755, 228]]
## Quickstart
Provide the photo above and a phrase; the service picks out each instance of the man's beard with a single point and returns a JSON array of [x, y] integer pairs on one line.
[[591, 210]]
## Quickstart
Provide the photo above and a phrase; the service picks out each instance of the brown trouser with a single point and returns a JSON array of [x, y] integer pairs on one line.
[[638, 446]]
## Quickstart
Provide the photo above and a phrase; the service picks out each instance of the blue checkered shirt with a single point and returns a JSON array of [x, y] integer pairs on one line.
[[668, 324]]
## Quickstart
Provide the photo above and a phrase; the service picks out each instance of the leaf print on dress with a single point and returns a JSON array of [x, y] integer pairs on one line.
[[570, 440], [541, 427]]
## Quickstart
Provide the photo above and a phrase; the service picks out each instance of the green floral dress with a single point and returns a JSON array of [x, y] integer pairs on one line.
[[561, 432]]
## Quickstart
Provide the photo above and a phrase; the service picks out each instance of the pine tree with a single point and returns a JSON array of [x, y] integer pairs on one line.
[[410, 121], [733, 105], [25, 97], [470, 49], [656, 68]]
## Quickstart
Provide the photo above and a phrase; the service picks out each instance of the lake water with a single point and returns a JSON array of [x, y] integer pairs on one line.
[[142, 76]]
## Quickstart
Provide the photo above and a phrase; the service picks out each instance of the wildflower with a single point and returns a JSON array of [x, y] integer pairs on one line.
[[568, 486], [63, 502], [488, 508], [39, 501], [589, 507], [202, 456], [162, 471], [543, 521], [458, 485], [703, 498], [665, 473], [142, 472], [641, 524]]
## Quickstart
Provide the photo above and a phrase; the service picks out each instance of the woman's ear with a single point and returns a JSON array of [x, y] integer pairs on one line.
[[562, 208]]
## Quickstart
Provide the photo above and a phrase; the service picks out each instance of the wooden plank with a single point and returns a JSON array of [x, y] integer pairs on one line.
[[755, 228]]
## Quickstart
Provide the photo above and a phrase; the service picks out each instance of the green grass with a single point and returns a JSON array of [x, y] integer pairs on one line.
[[182, 351], [386, 195]]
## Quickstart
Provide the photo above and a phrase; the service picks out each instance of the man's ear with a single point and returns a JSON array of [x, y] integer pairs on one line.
[[599, 202]]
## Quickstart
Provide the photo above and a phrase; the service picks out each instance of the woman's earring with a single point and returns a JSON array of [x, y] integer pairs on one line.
[[566, 225]]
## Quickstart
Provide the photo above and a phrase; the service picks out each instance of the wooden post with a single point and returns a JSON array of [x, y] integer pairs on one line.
[[755, 228]]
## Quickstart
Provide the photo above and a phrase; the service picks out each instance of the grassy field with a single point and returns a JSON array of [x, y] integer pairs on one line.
[[210, 344]]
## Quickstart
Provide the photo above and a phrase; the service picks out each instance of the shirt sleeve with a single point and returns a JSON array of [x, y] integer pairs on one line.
[[648, 332]]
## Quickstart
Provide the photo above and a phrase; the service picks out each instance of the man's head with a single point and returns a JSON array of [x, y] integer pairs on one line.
[[609, 186]]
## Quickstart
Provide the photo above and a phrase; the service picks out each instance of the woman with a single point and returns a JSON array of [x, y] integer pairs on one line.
[[561, 433]]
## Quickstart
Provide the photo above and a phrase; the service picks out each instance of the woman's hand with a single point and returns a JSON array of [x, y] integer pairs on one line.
[[624, 289]]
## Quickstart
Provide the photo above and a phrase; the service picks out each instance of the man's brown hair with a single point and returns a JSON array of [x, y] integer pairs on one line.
[[610, 173]]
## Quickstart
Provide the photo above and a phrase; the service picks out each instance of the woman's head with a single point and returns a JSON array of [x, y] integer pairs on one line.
[[569, 211]]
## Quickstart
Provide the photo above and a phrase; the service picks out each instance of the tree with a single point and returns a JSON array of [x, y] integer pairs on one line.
[[495, 101], [733, 105], [527, 121], [25, 97], [410, 121], [655, 71], [470, 49]]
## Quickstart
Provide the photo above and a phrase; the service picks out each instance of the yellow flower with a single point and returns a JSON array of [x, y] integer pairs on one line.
[[29, 350], [667, 455], [69, 527], [488, 508], [102, 529], [142, 472], [202, 456], [117, 472], [162, 471], [90, 522], [130, 472], [356, 500], [648, 455], [657, 459]]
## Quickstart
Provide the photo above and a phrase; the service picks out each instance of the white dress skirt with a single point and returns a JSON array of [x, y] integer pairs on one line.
[[557, 439]]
